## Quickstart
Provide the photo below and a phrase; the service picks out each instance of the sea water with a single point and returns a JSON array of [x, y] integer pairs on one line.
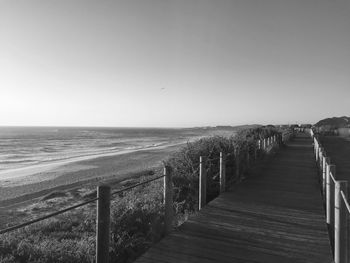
[[22, 147]]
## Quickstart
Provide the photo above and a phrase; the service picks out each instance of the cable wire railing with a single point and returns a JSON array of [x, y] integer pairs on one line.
[[104, 193], [12, 228], [335, 196]]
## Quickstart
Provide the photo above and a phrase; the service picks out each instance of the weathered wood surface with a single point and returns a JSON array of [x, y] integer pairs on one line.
[[275, 215]]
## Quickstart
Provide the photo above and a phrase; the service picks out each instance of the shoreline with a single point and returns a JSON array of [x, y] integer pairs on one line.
[[112, 168], [7, 177]]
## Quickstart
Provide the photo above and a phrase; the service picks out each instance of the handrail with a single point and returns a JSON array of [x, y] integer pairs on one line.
[[6, 230], [336, 201], [332, 177], [3, 231], [345, 201], [136, 185]]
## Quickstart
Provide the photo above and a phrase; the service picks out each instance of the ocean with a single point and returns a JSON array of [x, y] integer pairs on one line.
[[22, 147]]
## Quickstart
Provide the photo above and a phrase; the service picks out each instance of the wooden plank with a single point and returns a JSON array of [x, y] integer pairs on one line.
[[275, 215]]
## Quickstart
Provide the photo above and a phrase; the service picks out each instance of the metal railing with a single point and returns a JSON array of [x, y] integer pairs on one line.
[[335, 195]]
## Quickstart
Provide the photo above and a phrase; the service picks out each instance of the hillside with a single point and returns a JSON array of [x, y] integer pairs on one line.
[[335, 122]]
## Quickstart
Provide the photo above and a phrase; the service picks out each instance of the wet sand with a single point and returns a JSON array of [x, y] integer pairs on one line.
[[78, 173]]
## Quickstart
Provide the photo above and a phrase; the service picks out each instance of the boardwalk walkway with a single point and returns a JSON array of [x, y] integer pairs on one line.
[[276, 215]]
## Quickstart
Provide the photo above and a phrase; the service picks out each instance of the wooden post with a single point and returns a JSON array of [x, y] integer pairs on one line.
[[222, 172], [168, 200], [202, 184], [340, 223], [255, 152], [320, 157], [103, 224], [237, 162], [248, 157], [326, 161], [315, 148], [328, 193], [331, 202], [323, 154]]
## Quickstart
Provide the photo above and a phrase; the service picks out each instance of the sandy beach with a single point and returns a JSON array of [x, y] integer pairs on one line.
[[26, 184]]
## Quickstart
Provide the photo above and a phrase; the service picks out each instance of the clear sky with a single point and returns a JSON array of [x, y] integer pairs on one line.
[[173, 63]]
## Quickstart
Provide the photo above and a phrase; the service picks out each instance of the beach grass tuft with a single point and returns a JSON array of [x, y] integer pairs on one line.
[[54, 194]]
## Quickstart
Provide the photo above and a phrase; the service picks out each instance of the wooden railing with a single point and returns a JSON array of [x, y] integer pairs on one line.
[[103, 198], [335, 194], [265, 145]]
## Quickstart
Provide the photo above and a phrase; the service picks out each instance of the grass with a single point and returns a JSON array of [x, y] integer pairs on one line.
[[136, 215], [52, 195]]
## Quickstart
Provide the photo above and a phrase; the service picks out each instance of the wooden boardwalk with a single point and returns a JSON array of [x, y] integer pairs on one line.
[[275, 215]]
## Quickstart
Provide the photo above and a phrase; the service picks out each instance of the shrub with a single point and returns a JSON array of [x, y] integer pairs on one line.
[[136, 215], [185, 164]]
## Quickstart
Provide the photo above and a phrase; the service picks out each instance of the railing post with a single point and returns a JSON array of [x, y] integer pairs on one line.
[[340, 223], [222, 172], [255, 152], [248, 157], [237, 162], [326, 161], [280, 139], [168, 200], [330, 201], [320, 157], [103, 224], [315, 146], [202, 184], [328, 193], [316, 150]]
